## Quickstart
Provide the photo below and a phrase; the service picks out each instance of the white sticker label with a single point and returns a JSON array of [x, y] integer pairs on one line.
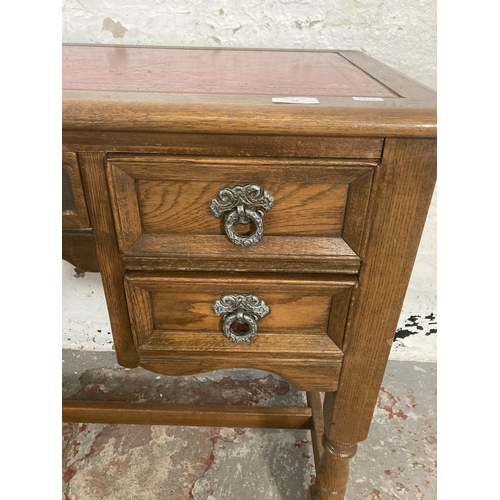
[[367, 98], [296, 100]]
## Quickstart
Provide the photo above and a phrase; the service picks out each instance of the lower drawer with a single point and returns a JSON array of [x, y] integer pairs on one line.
[[185, 323]]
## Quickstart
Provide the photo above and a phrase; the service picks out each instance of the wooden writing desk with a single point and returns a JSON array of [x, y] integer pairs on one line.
[[231, 231]]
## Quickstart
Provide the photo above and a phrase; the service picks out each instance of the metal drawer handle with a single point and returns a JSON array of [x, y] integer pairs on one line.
[[242, 205], [241, 309]]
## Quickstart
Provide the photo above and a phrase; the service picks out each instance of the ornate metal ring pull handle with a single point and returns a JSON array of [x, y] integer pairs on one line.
[[242, 205], [240, 309]]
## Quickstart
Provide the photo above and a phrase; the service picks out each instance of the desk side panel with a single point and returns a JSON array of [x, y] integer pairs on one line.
[[402, 192]]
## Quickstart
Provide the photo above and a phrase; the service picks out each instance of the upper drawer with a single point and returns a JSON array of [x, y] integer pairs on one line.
[[239, 208]]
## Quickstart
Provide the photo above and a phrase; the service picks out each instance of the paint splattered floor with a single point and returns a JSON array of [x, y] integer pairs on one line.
[[140, 462]]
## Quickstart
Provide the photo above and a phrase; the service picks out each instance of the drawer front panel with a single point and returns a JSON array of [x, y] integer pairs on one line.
[[184, 303], [301, 208], [165, 200], [177, 330], [295, 310]]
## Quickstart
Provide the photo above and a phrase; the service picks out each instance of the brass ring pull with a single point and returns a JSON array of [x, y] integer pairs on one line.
[[240, 309], [242, 205]]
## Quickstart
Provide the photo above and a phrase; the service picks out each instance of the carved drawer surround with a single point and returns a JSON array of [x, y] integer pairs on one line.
[[232, 232], [177, 332], [162, 208]]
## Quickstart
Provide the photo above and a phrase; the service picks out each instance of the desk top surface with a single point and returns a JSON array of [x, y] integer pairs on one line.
[[275, 73], [167, 89]]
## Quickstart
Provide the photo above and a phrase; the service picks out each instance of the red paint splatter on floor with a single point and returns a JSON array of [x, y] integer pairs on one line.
[[402, 487], [302, 442], [208, 464], [69, 466], [374, 495], [394, 474], [410, 402], [398, 414], [68, 473], [386, 401]]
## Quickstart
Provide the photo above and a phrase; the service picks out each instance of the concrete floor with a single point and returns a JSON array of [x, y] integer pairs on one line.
[[140, 462]]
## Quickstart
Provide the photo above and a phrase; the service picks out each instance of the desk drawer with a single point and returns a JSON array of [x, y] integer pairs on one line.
[[289, 325], [167, 206]]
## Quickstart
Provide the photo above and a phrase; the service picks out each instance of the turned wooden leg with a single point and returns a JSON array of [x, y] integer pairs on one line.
[[333, 471]]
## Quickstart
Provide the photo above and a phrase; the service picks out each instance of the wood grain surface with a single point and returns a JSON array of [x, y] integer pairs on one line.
[[193, 415], [110, 264], [403, 189], [300, 371], [179, 303], [211, 246], [399, 83], [78, 248], [173, 196], [317, 424], [177, 332], [74, 206], [230, 145], [171, 113], [268, 345]]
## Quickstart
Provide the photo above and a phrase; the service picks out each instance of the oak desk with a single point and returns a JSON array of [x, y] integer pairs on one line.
[[234, 231]]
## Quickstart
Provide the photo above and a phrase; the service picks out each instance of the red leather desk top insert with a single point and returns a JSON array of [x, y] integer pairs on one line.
[[198, 71]]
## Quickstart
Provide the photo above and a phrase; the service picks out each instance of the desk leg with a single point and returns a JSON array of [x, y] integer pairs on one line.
[[403, 187], [332, 471]]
